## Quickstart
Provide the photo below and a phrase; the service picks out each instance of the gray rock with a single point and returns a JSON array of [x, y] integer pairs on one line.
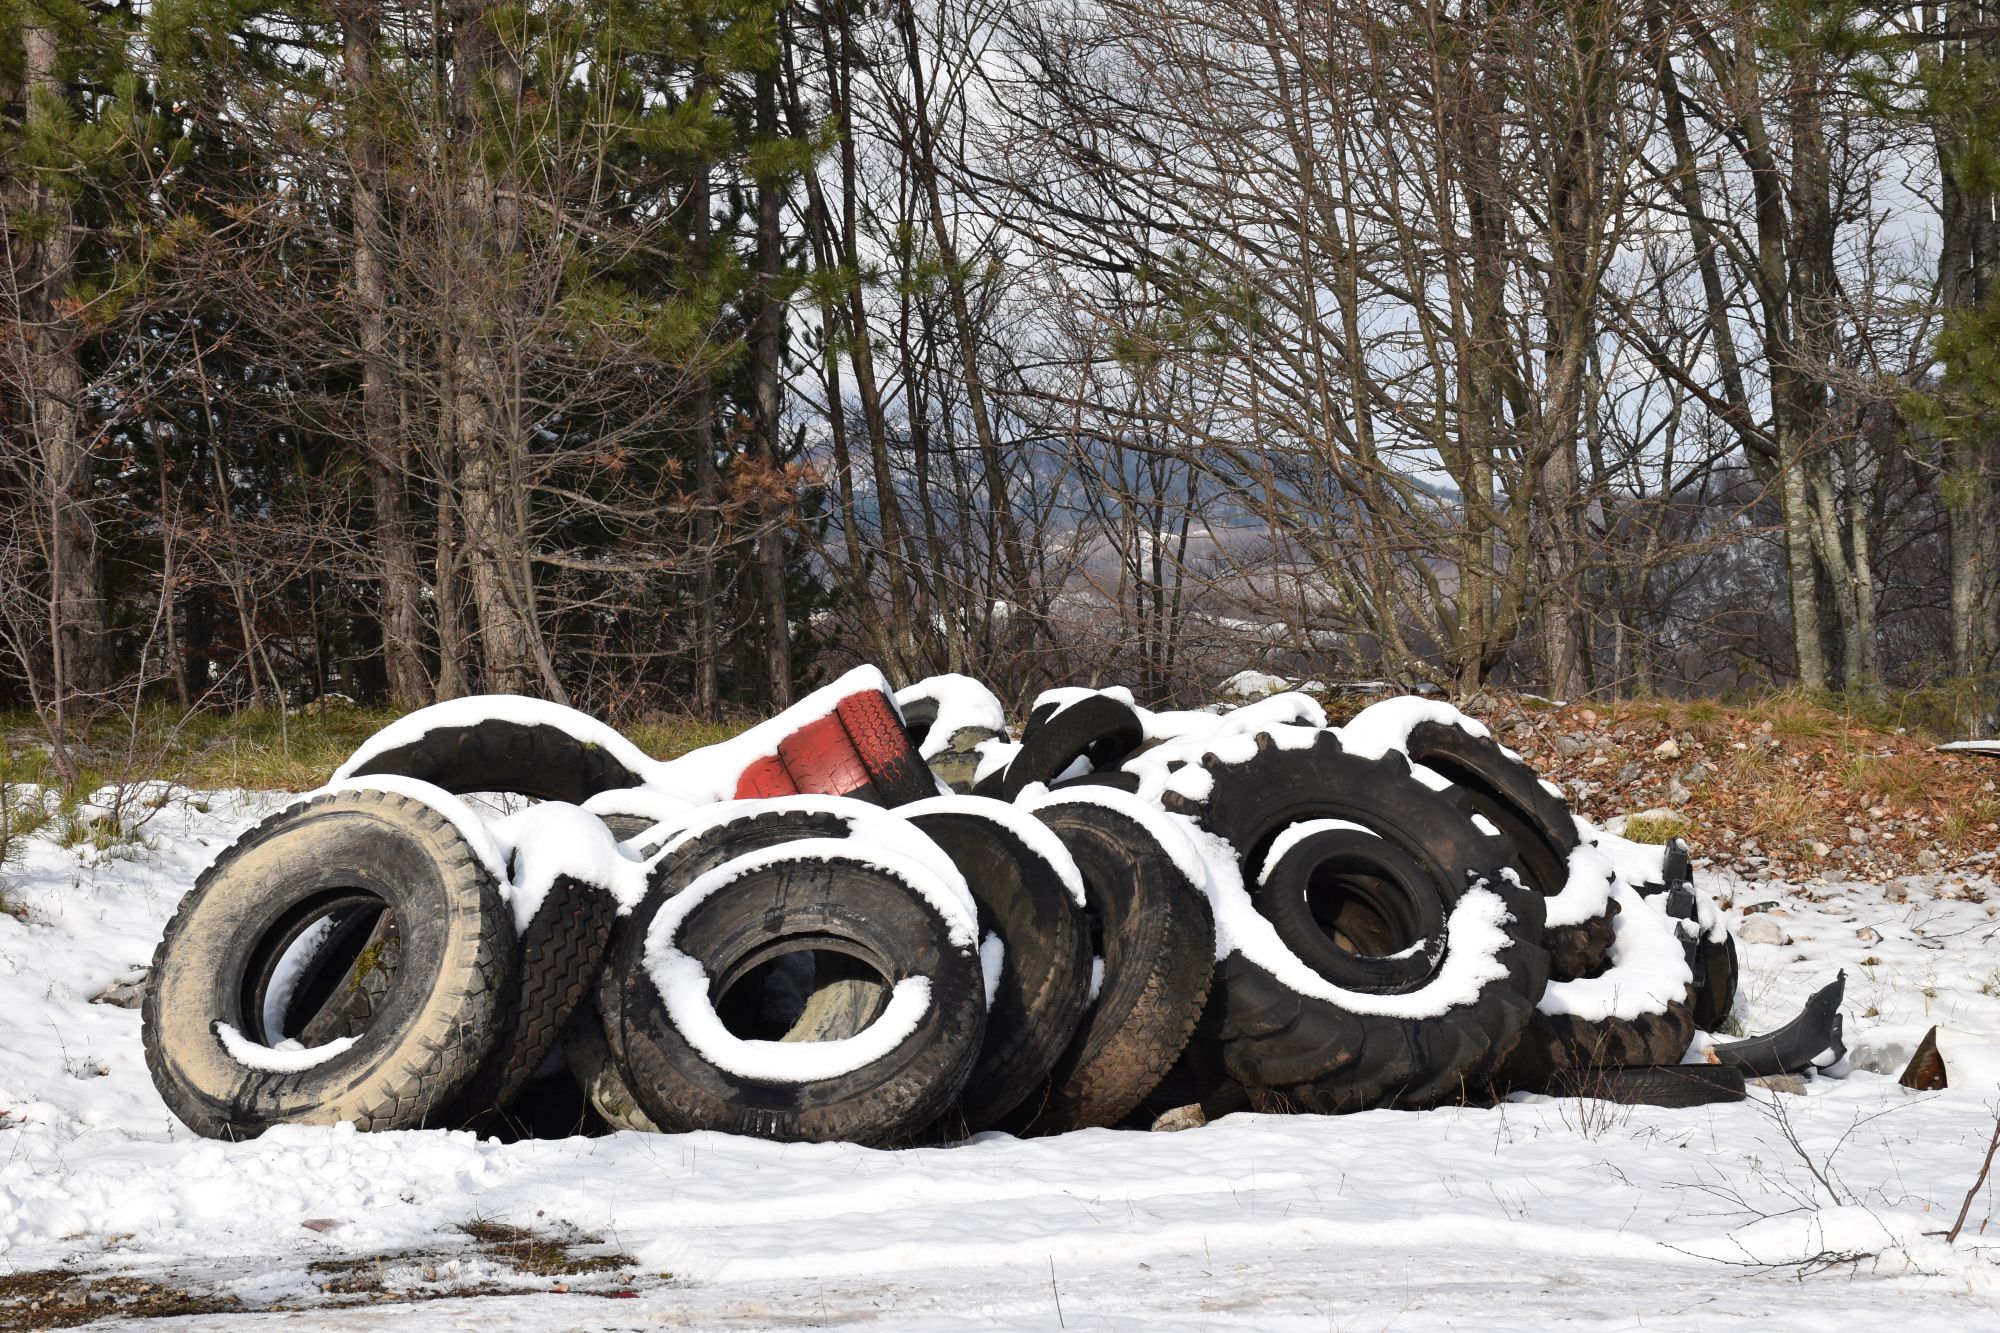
[[1762, 930], [127, 994]]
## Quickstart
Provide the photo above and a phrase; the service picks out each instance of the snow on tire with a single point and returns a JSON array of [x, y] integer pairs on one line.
[[1096, 729], [948, 718], [208, 1035], [1034, 942], [1155, 934], [871, 1054], [1637, 1011], [502, 743], [1500, 787], [1432, 997]]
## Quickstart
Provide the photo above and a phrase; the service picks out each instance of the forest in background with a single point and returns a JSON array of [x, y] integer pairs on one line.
[[663, 357]]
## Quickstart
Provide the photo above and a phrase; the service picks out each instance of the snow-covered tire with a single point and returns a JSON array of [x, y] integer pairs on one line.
[[1024, 890], [1156, 936], [436, 1020], [561, 950], [1299, 1051], [534, 759], [1654, 1085], [819, 901], [690, 858], [1501, 786], [1638, 1010], [1099, 730]]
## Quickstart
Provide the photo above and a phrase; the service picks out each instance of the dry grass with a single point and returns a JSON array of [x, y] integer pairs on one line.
[[1904, 779], [1656, 828], [259, 749]]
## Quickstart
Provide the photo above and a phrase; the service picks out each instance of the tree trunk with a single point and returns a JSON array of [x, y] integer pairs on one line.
[[401, 612], [81, 643], [488, 439], [767, 335]]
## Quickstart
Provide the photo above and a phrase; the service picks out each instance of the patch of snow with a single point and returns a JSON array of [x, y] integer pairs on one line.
[[1096, 981], [1293, 834], [1586, 891], [994, 756], [554, 839], [1648, 968], [1254, 685], [992, 957], [961, 702], [287, 1057], [1385, 726]]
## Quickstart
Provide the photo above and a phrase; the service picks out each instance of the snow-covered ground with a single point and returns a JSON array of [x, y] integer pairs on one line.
[[1823, 1211]]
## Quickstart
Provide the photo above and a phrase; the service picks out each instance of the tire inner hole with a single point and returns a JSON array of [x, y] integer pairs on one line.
[[320, 975], [798, 992], [1363, 912]]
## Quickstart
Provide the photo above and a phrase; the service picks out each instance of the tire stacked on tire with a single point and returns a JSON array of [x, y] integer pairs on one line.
[[1139, 911]]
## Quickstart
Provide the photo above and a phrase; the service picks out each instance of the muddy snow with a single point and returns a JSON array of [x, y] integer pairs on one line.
[[1821, 1211]]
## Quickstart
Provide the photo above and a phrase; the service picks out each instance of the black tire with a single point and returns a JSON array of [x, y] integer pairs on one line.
[[435, 1021], [1117, 779], [1156, 935], [497, 754], [1535, 820], [691, 858], [919, 714], [1713, 962], [1657, 1035], [1716, 978], [1045, 960], [561, 951], [1654, 1085], [1098, 729], [1294, 1051], [782, 908], [1563, 1043]]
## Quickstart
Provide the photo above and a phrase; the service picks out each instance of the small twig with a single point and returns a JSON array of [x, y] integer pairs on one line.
[[1966, 1207], [1060, 1322]]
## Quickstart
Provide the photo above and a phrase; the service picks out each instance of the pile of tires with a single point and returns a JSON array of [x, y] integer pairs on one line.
[[881, 918]]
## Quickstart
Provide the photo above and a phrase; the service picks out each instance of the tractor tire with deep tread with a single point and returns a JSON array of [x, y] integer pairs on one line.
[[1294, 1051]]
